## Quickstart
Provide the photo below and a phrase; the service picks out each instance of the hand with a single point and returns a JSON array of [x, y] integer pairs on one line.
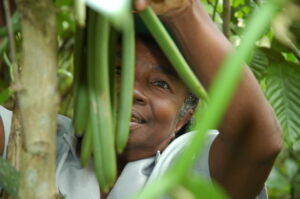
[[161, 7]]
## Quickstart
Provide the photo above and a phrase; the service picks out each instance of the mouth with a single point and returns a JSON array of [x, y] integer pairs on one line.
[[136, 120]]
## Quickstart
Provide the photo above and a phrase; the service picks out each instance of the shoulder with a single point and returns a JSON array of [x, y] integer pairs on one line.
[[175, 149], [65, 141], [6, 116]]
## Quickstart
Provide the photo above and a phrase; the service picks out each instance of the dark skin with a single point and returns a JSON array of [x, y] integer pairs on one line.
[[158, 96], [242, 155]]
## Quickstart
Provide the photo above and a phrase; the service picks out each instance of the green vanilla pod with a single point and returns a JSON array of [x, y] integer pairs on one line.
[[171, 51], [104, 119], [80, 117], [93, 106], [127, 83], [86, 147]]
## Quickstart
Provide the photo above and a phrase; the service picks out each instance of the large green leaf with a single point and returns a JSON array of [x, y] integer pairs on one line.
[[9, 178], [259, 63], [283, 92]]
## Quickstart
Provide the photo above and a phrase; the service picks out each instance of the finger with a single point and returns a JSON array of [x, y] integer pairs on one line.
[[141, 5]]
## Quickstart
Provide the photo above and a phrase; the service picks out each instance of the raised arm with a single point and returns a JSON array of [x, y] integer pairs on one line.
[[242, 155]]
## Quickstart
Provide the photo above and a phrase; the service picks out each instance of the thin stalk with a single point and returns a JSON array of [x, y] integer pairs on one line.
[[215, 10], [223, 87], [3, 46], [127, 82], [12, 45], [172, 52], [193, 182], [226, 16]]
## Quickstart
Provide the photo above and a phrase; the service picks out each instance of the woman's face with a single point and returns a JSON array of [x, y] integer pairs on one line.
[[157, 99]]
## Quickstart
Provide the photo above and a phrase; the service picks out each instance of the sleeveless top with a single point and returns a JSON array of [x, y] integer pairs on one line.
[[75, 182]]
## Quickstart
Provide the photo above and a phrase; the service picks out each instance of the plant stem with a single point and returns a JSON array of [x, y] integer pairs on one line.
[[226, 15], [11, 39]]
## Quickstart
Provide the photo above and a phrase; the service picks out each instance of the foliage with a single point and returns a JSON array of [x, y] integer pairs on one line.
[[275, 66], [9, 178]]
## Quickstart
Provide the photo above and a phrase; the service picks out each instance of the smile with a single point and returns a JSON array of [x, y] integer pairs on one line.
[[136, 121]]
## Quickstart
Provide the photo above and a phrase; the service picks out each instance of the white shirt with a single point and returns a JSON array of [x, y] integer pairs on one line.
[[75, 182]]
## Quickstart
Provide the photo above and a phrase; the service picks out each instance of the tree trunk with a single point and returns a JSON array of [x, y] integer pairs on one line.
[[38, 99]]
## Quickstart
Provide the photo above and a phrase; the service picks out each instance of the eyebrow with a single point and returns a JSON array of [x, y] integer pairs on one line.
[[166, 70]]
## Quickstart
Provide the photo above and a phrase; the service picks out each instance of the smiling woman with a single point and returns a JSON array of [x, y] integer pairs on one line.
[[158, 97]]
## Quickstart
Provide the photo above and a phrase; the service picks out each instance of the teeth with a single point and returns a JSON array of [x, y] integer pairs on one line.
[[134, 119]]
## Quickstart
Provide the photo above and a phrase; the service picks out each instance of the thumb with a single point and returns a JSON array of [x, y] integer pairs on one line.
[[141, 5]]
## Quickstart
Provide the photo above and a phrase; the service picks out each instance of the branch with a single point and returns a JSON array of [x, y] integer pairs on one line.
[[215, 10], [11, 37], [215, 6], [226, 15]]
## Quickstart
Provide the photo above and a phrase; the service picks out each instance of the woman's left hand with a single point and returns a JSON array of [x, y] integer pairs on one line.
[[161, 7]]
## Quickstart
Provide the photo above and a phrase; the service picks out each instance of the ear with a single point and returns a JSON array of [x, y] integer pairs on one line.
[[183, 120]]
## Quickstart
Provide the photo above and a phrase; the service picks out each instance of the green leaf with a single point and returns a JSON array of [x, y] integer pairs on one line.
[[9, 178], [296, 146], [259, 64], [273, 55], [291, 168], [283, 92], [279, 46], [295, 29], [277, 180], [202, 188], [4, 95]]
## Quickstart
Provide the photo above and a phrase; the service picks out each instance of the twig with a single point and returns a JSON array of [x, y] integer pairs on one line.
[[11, 38], [226, 15], [10, 66], [215, 10]]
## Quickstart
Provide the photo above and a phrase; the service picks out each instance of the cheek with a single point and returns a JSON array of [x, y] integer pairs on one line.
[[166, 112]]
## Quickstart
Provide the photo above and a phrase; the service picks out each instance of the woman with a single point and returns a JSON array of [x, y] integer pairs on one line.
[[239, 158]]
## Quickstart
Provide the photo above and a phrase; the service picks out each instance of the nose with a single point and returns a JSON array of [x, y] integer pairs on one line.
[[138, 96]]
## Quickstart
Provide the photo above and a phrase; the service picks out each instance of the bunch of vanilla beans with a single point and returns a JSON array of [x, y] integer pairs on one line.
[[102, 123]]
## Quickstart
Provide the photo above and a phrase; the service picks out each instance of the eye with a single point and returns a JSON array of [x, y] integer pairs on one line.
[[162, 84]]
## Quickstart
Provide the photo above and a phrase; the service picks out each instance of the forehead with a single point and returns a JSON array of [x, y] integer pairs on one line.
[[148, 50]]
